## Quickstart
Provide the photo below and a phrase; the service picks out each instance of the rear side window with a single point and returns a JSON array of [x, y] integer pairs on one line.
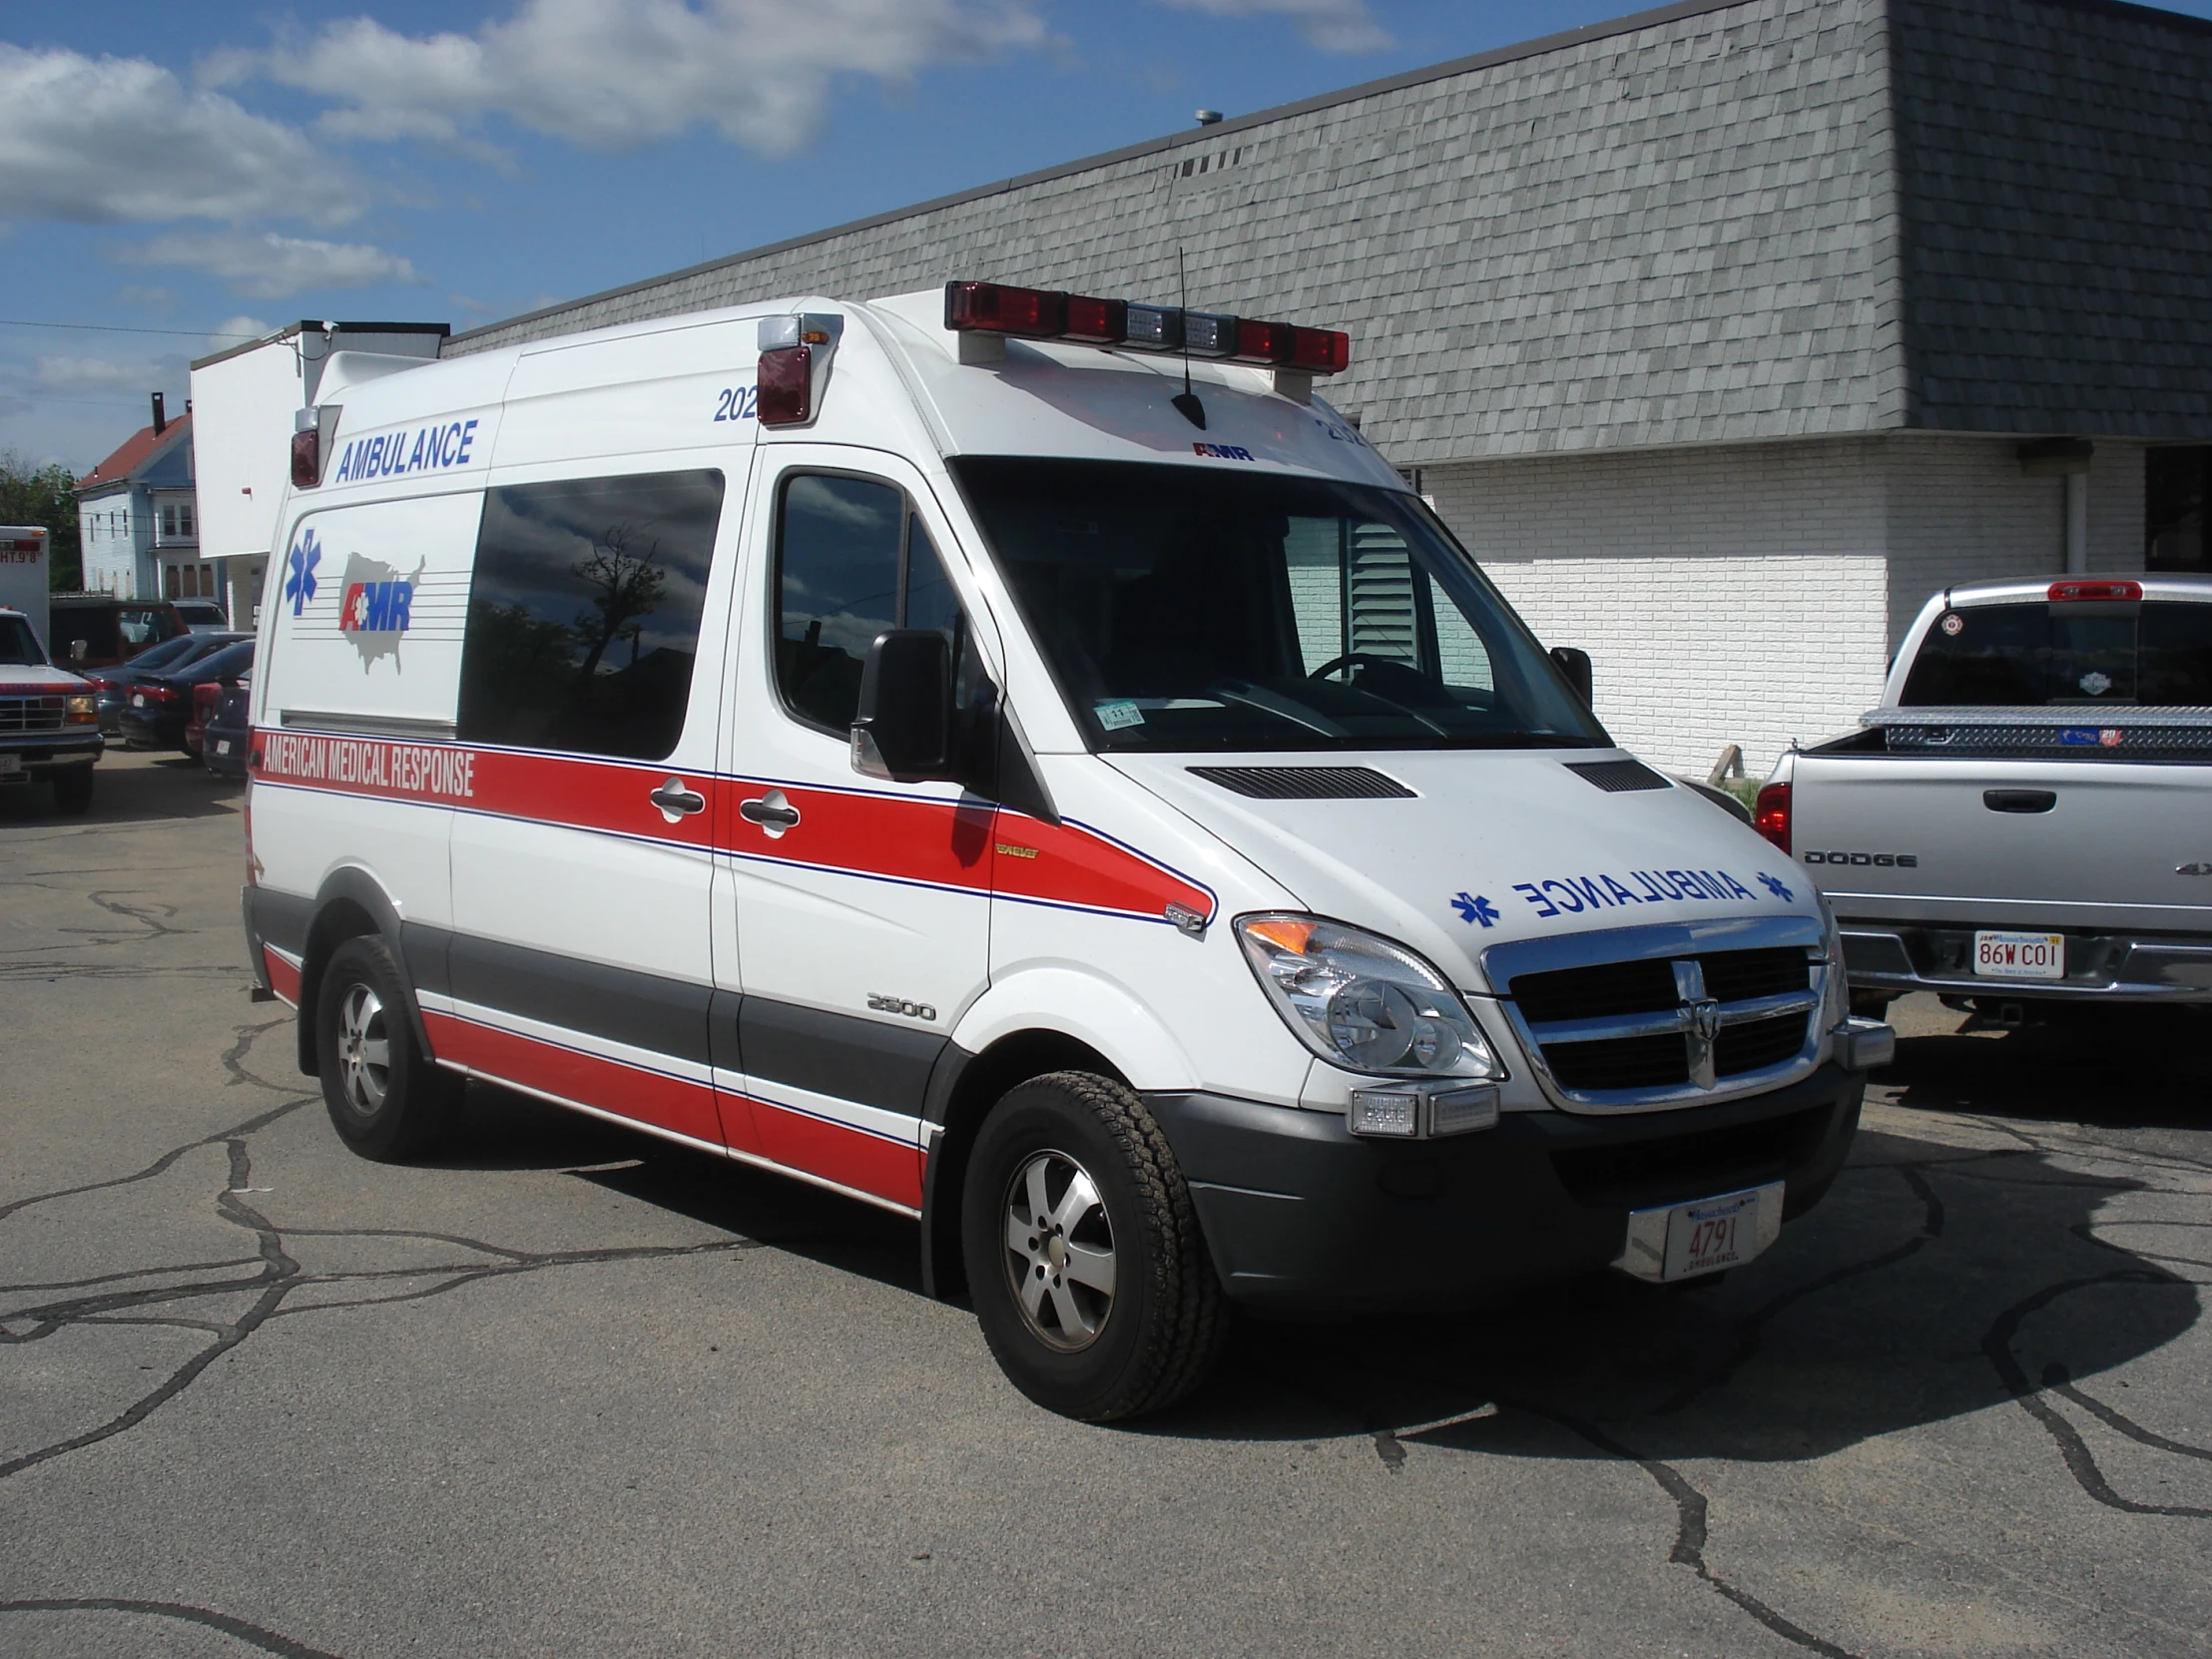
[[584, 612], [852, 561], [2010, 656]]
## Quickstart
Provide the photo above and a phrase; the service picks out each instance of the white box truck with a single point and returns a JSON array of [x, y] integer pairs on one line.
[[23, 575]]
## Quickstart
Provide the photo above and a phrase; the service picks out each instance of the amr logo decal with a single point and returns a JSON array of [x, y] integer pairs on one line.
[[373, 611]]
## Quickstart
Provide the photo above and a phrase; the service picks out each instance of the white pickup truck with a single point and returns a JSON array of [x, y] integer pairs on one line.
[[2028, 818]]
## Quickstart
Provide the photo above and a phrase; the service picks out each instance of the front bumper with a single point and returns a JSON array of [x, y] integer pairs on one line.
[[43, 754], [1304, 1218], [2101, 966]]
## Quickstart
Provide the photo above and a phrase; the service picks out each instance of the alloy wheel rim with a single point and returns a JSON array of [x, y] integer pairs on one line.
[[364, 1050], [1059, 1251]]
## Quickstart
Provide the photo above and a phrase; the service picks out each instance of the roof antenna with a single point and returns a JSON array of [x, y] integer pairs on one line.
[[1186, 402]]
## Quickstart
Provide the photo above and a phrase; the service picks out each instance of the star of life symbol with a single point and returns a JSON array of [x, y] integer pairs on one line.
[[1475, 907], [299, 583], [1774, 886]]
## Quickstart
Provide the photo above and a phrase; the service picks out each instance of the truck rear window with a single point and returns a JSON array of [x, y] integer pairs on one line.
[[2152, 654]]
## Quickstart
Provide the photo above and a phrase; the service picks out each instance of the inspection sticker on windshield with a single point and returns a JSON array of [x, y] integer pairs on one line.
[[1115, 716]]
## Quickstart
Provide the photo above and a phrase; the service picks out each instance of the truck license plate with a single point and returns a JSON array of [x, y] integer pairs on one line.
[[10, 764], [1704, 1236], [222, 745], [2019, 955]]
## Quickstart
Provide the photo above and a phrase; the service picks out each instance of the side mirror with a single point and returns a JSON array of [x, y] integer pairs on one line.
[[1575, 665], [79, 649], [903, 727]]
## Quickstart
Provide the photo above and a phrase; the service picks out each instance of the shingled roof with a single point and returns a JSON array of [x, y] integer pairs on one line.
[[135, 452], [1712, 223]]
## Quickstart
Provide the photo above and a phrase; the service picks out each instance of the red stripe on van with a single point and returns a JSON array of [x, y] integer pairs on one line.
[[284, 979], [947, 843], [849, 1157], [651, 1097]]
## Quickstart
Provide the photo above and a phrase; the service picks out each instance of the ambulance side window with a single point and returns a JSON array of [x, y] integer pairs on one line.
[[852, 560], [584, 612]]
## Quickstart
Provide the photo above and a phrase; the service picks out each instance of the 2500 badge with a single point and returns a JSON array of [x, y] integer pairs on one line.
[[879, 1003]]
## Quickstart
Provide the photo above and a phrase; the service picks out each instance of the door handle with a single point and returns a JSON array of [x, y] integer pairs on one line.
[[771, 811], [2020, 801], [676, 798]]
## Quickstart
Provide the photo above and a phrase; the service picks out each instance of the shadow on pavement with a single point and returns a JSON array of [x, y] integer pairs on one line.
[[1936, 1280], [504, 1130], [129, 787]]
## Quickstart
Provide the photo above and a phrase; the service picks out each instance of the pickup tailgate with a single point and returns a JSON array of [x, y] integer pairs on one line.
[[2008, 841]]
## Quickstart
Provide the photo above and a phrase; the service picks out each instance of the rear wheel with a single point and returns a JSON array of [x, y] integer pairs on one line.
[[73, 790], [386, 1098], [1090, 1278]]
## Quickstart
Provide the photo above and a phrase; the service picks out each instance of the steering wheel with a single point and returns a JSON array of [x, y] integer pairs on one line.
[[1356, 659]]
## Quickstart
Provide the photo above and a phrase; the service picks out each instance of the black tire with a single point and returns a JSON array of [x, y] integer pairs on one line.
[[403, 1108], [1154, 1336], [73, 791]]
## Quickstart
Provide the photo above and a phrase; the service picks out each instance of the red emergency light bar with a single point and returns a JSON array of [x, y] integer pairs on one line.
[[2064, 592], [1040, 314]]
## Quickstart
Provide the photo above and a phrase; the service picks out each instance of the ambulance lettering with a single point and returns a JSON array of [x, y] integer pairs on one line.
[[395, 454], [1574, 895]]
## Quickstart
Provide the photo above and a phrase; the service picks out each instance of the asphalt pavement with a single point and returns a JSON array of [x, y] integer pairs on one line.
[[571, 1390]]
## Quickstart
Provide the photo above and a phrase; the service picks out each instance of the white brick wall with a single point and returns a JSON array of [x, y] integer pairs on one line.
[[1752, 594]]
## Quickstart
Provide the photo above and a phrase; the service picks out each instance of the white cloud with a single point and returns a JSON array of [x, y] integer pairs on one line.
[[89, 374], [237, 331], [109, 139], [262, 265], [613, 74], [1331, 25]]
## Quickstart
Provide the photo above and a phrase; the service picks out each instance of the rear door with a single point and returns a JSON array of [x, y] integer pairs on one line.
[[582, 966]]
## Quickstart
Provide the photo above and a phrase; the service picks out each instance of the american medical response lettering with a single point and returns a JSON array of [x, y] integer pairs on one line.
[[414, 768], [392, 454]]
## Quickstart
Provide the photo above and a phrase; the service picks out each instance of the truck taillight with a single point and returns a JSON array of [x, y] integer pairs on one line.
[[2062, 593], [1771, 817]]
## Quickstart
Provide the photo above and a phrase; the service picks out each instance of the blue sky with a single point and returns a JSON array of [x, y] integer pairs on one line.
[[208, 169]]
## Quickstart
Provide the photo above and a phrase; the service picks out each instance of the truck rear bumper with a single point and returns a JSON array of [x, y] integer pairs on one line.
[[1304, 1218], [2101, 966]]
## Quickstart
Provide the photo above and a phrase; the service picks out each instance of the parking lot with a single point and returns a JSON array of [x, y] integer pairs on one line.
[[569, 1389]]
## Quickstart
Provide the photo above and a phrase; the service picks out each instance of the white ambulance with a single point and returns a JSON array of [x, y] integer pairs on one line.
[[1022, 761]]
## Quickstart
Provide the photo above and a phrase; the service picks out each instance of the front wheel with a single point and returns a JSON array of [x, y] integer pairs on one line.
[[386, 1098], [1090, 1278]]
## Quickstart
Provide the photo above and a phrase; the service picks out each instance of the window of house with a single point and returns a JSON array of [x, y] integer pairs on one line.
[[852, 561], [584, 612], [2176, 484]]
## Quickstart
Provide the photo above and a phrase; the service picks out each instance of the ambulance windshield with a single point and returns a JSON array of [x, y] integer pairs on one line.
[[1190, 608], [18, 645]]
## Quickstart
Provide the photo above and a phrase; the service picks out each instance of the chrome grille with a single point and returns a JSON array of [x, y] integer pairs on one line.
[[1636, 1017], [30, 714]]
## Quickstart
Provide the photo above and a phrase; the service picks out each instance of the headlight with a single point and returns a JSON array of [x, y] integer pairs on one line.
[[80, 709], [1362, 1002]]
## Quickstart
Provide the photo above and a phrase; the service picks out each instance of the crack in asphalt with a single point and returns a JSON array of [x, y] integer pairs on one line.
[[280, 1275], [253, 1635], [2073, 1450]]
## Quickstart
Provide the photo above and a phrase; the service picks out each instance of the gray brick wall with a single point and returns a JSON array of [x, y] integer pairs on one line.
[[1676, 229], [2056, 171]]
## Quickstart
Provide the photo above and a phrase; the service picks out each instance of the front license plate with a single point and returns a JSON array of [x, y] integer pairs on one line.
[[1707, 1235], [2019, 955], [10, 764]]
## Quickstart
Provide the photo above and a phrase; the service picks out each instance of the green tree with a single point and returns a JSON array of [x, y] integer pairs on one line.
[[44, 496]]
